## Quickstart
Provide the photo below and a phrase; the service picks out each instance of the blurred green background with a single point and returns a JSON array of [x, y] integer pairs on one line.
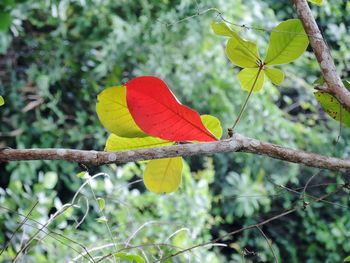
[[56, 56]]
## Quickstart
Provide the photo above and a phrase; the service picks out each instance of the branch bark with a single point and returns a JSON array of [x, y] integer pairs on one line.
[[323, 54], [238, 143]]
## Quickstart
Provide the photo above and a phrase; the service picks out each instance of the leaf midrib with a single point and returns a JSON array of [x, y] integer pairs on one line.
[[176, 113], [279, 53]]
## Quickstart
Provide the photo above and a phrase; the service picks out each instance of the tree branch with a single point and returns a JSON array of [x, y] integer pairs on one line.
[[238, 143], [323, 54]]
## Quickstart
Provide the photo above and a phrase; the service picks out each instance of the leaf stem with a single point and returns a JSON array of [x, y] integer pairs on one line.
[[231, 130]]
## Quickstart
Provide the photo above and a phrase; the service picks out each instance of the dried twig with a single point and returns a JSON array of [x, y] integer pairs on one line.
[[238, 143]]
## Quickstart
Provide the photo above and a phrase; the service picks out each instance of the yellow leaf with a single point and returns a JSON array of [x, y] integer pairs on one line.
[[114, 114], [163, 175], [248, 76], [117, 143], [242, 53], [212, 124], [2, 101]]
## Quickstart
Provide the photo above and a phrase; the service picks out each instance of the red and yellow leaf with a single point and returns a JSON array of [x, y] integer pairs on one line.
[[157, 112]]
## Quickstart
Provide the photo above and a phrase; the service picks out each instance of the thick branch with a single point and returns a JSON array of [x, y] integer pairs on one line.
[[323, 54], [238, 143]]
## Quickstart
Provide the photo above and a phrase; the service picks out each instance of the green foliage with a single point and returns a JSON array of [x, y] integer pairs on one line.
[[129, 257], [67, 53], [241, 186], [2, 101], [5, 21], [5, 14]]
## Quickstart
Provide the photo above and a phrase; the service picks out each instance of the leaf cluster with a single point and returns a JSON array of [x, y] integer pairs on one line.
[[144, 113]]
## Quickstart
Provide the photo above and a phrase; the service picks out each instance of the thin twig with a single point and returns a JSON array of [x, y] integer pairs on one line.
[[302, 195], [52, 234], [49, 231], [268, 242], [220, 15], [25, 219], [287, 212], [52, 217], [245, 102], [283, 214]]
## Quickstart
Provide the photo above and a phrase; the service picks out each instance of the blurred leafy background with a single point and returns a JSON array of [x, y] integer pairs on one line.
[[57, 55]]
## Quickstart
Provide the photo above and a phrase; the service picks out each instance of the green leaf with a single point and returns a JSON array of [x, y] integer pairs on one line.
[[133, 258], [221, 29], [275, 75], [334, 109], [101, 203], [81, 174], [2, 101], [248, 76], [116, 143], [5, 21], [114, 114], [288, 41], [7, 4], [163, 175], [50, 180], [213, 125], [317, 2], [242, 53]]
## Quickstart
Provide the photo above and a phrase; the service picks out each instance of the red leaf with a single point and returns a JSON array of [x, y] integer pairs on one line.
[[157, 112]]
